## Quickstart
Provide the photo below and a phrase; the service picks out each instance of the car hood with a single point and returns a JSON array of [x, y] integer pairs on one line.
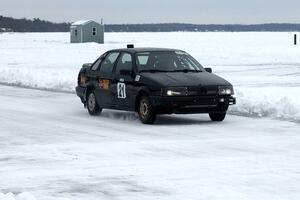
[[178, 79]]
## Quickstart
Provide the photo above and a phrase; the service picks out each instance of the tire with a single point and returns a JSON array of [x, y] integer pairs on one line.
[[92, 105], [217, 117], [146, 111]]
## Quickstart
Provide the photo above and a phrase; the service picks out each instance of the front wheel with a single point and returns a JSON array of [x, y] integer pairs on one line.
[[217, 117], [92, 105], [146, 111]]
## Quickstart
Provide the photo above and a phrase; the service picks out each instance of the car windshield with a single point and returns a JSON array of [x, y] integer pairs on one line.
[[167, 61]]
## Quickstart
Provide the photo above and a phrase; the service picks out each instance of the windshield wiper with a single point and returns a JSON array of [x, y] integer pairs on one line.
[[153, 70], [158, 70], [186, 70]]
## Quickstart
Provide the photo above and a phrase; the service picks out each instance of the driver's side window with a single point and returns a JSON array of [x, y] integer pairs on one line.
[[124, 63], [107, 64]]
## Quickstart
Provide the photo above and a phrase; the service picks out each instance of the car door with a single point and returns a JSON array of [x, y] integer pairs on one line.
[[104, 79], [123, 88]]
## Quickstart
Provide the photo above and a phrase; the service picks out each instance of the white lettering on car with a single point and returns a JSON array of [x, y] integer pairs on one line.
[[121, 89], [137, 78]]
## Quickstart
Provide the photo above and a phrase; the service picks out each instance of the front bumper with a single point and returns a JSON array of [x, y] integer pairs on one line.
[[192, 104], [232, 100]]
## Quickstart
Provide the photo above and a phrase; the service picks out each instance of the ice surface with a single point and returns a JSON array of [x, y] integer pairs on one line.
[[52, 148], [263, 67], [21, 196]]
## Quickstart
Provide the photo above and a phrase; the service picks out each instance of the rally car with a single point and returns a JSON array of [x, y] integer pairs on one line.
[[152, 81]]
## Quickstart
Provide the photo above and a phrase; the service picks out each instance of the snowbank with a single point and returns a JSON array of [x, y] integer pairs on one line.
[[258, 103], [21, 196], [263, 67]]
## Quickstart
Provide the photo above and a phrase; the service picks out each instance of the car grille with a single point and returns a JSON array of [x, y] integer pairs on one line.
[[202, 91]]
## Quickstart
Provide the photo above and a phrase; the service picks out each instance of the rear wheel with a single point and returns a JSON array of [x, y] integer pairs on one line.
[[146, 111], [92, 105], [218, 117]]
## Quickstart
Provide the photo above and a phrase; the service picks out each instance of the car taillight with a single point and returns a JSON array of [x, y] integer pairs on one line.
[[82, 79]]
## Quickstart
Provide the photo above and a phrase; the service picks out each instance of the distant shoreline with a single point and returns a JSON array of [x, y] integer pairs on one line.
[[9, 24]]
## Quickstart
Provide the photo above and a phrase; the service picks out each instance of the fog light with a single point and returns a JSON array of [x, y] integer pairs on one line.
[[222, 100]]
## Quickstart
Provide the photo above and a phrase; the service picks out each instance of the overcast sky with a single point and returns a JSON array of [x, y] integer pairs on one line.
[[156, 11]]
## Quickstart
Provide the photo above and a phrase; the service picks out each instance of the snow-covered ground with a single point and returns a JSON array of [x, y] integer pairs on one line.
[[263, 67], [51, 149]]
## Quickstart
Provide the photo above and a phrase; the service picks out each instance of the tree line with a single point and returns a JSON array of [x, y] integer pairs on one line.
[[38, 25], [34, 25]]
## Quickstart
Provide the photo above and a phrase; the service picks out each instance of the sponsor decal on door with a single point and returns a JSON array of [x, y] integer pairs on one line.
[[121, 89]]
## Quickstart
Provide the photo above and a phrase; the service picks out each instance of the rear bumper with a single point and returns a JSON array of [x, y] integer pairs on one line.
[[80, 91], [192, 104]]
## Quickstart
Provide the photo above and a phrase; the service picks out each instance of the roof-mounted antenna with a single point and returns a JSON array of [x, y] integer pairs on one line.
[[130, 46]]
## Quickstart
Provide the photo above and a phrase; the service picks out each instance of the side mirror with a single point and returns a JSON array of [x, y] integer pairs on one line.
[[125, 72], [209, 70]]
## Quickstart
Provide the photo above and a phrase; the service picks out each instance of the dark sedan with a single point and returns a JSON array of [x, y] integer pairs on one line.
[[153, 81]]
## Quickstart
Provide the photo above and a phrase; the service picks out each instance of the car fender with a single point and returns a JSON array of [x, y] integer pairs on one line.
[[141, 91]]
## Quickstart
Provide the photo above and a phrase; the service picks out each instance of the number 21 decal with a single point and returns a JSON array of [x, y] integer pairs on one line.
[[121, 89]]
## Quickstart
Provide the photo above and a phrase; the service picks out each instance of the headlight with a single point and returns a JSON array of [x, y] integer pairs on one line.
[[176, 91], [226, 90]]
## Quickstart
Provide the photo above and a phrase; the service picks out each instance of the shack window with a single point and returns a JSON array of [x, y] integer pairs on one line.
[[94, 31], [75, 32]]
